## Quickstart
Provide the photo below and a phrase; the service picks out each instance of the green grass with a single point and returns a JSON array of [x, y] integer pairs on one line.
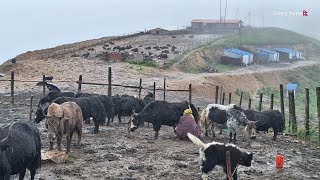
[[262, 36], [143, 63], [307, 77]]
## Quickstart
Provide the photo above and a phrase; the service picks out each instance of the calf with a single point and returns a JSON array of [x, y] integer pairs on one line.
[[229, 115], [160, 113], [265, 120], [20, 149], [61, 120], [214, 153]]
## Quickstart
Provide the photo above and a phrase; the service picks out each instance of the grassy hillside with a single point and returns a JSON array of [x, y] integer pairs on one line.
[[262, 36]]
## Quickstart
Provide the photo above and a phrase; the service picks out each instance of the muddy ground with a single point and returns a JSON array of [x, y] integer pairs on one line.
[[111, 155]]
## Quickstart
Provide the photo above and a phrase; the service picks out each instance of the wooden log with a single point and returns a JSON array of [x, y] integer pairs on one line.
[[140, 87], [44, 86], [282, 104], [164, 89], [260, 102], [190, 93], [79, 84], [228, 163], [271, 102], [307, 115], [31, 110], [154, 90], [12, 87], [223, 95], [240, 99], [292, 113], [217, 94], [109, 82]]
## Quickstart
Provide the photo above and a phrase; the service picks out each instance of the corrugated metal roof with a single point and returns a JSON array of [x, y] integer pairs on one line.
[[286, 50], [291, 87], [266, 50], [238, 51], [208, 21]]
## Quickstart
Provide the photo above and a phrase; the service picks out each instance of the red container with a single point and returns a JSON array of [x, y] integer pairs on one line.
[[279, 161]]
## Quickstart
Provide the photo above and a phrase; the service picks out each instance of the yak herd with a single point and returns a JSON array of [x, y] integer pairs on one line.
[[128, 51], [65, 112]]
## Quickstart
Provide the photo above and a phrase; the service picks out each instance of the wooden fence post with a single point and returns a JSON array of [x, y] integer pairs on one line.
[[44, 86], [230, 98], [79, 84], [307, 117], [190, 93], [292, 112], [109, 82], [282, 105], [318, 106], [31, 110], [164, 89], [154, 90], [271, 102], [12, 87], [223, 94], [228, 163], [260, 101], [217, 94], [240, 99], [249, 104], [140, 87]]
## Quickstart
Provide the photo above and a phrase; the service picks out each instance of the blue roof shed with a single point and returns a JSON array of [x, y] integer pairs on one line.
[[267, 54], [246, 57]]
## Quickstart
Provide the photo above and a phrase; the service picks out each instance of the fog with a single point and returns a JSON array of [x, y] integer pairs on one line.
[[37, 24]]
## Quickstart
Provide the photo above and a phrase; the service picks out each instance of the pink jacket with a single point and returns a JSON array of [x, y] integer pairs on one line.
[[187, 124]]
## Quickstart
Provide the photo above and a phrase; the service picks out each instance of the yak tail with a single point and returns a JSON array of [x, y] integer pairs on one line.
[[195, 113], [196, 141]]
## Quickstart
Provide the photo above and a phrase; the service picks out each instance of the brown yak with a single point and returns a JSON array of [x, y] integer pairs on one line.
[[64, 119]]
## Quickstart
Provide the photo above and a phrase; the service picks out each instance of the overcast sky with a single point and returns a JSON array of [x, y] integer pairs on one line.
[[38, 24]]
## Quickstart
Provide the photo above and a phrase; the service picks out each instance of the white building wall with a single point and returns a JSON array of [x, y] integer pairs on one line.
[[245, 59]]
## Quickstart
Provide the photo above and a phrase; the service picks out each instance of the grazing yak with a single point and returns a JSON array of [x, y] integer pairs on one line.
[[265, 120], [230, 115], [106, 102], [123, 105], [160, 113], [214, 153], [20, 149], [54, 95], [61, 120]]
